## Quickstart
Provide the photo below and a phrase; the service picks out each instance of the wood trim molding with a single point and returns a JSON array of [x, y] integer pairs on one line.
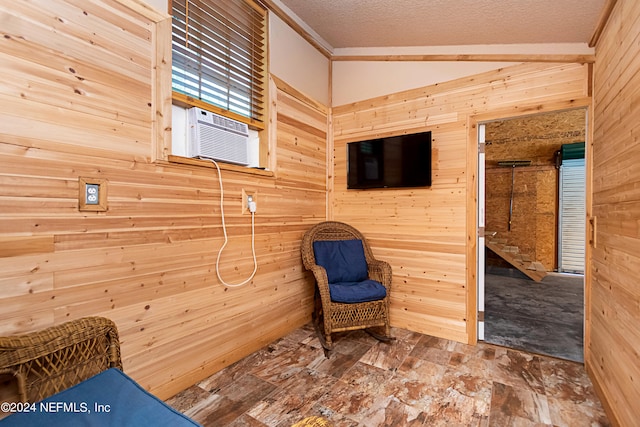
[[500, 114], [297, 27], [600, 390], [602, 22], [161, 90], [223, 166], [186, 101], [287, 88], [99, 190], [145, 10], [472, 232], [580, 59], [551, 58]]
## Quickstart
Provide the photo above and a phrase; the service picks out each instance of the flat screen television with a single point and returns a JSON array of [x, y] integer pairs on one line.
[[393, 162]]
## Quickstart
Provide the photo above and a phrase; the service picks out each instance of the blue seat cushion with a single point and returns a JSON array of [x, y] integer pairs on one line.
[[343, 260], [353, 292], [109, 398]]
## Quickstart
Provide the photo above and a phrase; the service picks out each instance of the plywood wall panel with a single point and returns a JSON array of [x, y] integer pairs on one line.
[[80, 100], [423, 232], [614, 334], [535, 138]]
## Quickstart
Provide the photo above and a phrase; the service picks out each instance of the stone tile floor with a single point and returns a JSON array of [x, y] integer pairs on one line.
[[417, 380]]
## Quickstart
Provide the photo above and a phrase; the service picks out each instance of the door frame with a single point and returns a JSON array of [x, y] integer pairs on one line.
[[481, 224], [474, 231]]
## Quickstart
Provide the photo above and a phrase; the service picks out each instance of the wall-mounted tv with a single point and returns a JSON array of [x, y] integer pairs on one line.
[[393, 162]]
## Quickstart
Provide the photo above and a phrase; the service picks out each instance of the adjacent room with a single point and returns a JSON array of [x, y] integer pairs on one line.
[[161, 163], [534, 191]]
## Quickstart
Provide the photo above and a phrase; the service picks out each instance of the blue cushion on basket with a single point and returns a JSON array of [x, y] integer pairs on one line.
[[350, 292], [110, 398], [343, 259]]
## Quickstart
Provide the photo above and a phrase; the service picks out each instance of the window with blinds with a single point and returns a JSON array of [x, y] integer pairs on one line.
[[219, 54]]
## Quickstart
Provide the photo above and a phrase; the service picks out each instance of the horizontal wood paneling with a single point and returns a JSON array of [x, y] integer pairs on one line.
[[11, 246], [425, 233], [78, 98], [614, 309]]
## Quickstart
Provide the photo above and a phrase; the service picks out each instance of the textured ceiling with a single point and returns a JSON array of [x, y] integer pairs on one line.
[[397, 23]]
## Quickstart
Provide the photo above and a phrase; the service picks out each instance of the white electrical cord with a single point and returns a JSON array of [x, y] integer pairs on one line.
[[252, 209]]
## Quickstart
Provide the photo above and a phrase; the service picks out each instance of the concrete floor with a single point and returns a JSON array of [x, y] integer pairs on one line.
[[544, 317]]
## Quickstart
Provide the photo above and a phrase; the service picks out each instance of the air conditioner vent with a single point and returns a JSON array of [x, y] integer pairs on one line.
[[216, 137]]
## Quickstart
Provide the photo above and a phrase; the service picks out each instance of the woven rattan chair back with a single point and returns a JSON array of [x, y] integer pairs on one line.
[[330, 317], [39, 364], [331, 230]]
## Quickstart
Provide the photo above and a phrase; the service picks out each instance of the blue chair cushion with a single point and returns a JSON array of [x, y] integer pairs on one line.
[[343, 260], [353, 292], [109, 398]]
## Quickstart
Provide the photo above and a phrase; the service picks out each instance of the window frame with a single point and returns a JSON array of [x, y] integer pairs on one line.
[[257, 123]]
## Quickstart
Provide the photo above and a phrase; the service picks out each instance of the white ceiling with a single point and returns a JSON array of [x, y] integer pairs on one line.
[[400, 23]]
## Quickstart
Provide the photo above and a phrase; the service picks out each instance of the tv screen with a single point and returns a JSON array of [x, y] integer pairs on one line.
[[393, 162]]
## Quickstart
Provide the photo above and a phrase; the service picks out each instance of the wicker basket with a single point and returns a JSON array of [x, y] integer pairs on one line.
[[37, 365], [313, 422]]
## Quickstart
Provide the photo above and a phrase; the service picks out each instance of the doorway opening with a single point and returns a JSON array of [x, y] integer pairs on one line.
[[531, 248]]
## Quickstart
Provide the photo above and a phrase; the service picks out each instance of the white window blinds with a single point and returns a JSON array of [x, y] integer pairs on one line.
[[219, 54]]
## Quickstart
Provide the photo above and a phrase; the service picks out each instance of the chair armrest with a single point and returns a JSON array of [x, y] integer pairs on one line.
[[381, 272], [322, 281]]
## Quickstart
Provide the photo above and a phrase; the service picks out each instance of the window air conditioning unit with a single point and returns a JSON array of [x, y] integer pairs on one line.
[[216, 137]]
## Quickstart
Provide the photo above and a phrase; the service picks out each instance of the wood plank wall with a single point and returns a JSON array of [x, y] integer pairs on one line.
[[77, 98], [614, 311], [428, 234]]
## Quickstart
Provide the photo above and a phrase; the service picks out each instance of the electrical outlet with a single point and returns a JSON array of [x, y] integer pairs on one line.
[[249, 198], [253, 206], [92, 195]]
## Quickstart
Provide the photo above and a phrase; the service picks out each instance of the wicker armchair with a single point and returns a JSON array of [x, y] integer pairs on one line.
[[336, 316], [39, 364]]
